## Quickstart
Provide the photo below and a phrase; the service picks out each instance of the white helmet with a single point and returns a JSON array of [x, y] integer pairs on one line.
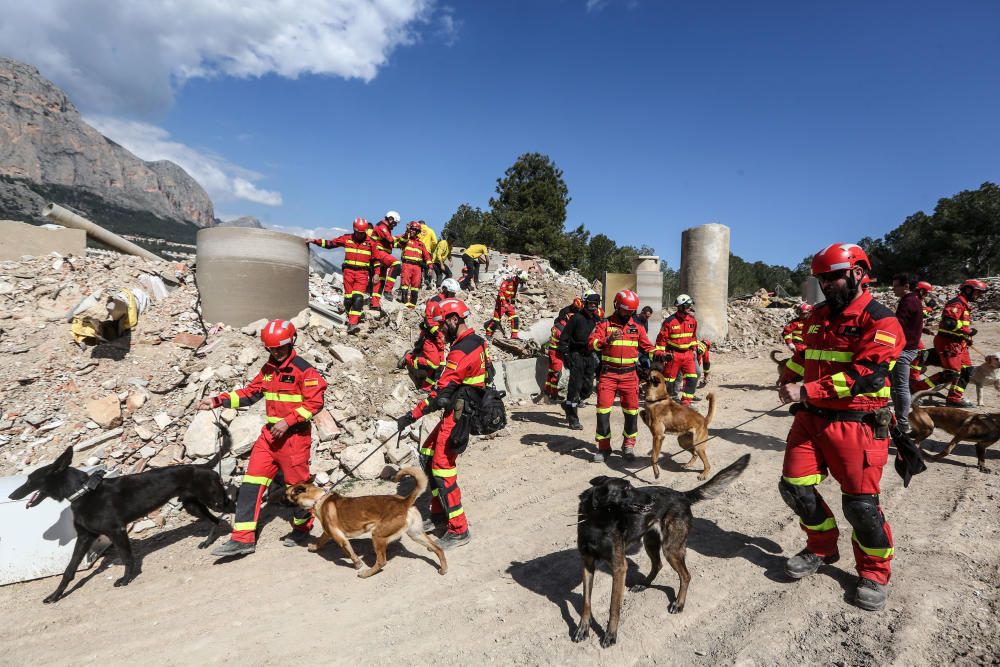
[[393, 215], [683, 300], [588, 292], [522, 276], [450, 285]]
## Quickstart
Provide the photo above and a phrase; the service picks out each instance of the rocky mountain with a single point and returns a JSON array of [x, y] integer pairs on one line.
[[245, 221], [48, 151]]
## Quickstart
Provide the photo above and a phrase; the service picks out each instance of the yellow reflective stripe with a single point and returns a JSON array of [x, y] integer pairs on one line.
[[828, 524], [476, 379], [300, 522], [596, 345], [630, 435], [305, 414], [354, 262], [884, 392], [256, 479], [808, 480], [839, 381], [603, 411], [690, 375], [458, 512], [794, 367], [682, 335], [878, 553], [621, 361], [630, 412], [283, 398], [625, 343], [659, 348], [426, 451], [234, 399], [273, 420], [829, 355], [245, 525], [681, 346], [444, 473]]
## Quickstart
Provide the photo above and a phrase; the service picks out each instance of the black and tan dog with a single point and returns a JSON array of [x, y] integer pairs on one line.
[[981, 429], [663, 415], [614, 516], [386, 517], [106, 506]]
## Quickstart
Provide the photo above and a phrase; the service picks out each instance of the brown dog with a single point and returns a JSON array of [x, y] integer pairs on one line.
[[983, 430], [986, 373], [663, 415], [385, 517]]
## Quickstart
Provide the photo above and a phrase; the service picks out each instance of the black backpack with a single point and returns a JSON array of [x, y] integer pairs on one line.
[[483, 412]]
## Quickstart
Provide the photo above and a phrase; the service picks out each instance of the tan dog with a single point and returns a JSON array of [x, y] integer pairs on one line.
[[983, 430], [986, 373], [385, 517], [663, 415]]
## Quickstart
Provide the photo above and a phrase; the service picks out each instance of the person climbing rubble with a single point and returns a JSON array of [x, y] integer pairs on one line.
[[475, 255], [506, 305], [382, 276], [441, 256], [293, 392], [424, 360], [361, 252], [415, 260]]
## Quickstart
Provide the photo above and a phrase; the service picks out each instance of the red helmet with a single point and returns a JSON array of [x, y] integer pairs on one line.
[[414, 226], [925, 286], [803, 309], [976, 285], [628, 299], [448, 307], [360, 225], [277, 333], [840, 256], [433, 312]]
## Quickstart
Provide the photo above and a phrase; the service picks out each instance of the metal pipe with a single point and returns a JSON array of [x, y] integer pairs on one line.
[[69, 219]]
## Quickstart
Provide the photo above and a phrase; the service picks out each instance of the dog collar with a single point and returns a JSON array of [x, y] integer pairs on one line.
[[659, 400], [93, 481]]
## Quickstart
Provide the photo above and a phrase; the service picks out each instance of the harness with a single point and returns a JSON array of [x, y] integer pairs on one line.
[[93, 481]]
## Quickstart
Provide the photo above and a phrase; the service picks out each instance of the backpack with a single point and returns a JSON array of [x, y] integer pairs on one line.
[[483, 413]]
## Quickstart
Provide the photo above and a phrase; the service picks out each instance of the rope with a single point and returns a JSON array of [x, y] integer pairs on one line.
[[397, 435]]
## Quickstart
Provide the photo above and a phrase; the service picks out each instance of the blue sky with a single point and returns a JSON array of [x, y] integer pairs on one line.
[[795, 124]]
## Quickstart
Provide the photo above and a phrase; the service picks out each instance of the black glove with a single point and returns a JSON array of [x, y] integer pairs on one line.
[[972, 332], [404, 421], [909, 459]]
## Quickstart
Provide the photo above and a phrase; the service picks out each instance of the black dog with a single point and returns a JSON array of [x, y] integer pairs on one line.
[[106, 506], [614, 516]]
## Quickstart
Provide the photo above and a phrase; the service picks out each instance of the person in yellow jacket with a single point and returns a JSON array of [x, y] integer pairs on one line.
[[473, 256], [430, 240], [440, 258]]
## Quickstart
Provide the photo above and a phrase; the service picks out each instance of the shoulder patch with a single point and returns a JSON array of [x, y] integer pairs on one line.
[[301, 363], [468, 344], [877, 311]]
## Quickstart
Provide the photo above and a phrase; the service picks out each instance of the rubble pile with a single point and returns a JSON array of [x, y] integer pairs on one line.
[[752, 327]]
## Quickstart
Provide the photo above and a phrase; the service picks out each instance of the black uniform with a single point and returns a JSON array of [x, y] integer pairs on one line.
[[580, 360]]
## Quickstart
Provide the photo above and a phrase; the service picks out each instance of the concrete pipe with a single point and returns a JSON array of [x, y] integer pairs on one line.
[[248, 274], [68, 218], [705, 276]]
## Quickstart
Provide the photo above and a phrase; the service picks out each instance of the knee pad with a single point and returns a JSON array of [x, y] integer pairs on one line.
[[803, 500], [865, 516], [949, 375], [966, 374]]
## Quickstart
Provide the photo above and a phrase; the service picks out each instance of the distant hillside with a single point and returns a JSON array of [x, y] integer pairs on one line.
[[47, 153], [245, 221]]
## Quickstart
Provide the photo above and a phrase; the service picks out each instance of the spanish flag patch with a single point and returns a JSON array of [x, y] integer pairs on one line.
[[884, 337], [310, 383]]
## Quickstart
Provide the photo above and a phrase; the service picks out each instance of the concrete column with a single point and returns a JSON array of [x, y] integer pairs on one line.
[[705, 276], [811, 292]]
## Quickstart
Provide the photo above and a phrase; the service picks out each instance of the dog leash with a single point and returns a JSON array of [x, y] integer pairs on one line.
[[398, 434]]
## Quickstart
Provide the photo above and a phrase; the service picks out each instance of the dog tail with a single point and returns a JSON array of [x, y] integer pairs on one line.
[[919, 396], [419, 476], [775, 359], [711, 408], [717, 484]]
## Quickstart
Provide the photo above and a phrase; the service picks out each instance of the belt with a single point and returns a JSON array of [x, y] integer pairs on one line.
[[413, 261], [618, 369], [835, 415]]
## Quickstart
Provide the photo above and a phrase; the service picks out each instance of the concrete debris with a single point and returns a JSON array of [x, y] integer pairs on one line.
[[370, 469], [105, 410], [245, 430], [202, 435], [347, 354]]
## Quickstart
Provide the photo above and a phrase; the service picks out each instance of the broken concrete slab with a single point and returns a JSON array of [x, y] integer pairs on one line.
[[105, 410], [353, 456], [202, 435], [523, 377], [20, 238], [347, 354], [245, 430], [326, 427]]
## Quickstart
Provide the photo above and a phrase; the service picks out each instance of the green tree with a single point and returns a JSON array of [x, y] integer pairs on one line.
[[470, 225], [530, 209]]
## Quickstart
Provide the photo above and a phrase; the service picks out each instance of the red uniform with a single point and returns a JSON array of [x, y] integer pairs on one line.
[[618, 376], [293, 392], [505, 307], [415, 258], [704, 351], [845, 369], [555, 361], [383, 274], [428, 353], [358, 259], [792, 334], [679, 336], [467, 365], [952, 347], [917, 380]]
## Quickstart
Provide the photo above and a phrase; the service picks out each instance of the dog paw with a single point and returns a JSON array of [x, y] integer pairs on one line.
[[582, 633], [52, 598], [123, 581], [702, 477], [358, 565], [637, 588], [313, 548], [609, 640], [675, 608]]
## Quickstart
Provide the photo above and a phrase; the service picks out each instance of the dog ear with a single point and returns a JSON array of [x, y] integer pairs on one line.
[[598, 481], [64, 459], [599, 497]]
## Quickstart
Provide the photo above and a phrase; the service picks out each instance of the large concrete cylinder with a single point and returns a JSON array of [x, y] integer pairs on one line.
[[649, 283], [248, 274], [705, 276]]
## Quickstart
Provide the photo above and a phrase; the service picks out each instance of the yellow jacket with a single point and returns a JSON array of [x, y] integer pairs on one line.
[[476, 250], [442, 252], [428, 237]]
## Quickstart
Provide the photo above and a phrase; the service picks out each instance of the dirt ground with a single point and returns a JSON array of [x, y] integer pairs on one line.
[[513, 595]]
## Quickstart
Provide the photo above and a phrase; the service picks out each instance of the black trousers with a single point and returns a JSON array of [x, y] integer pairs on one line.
[[582, 367], [441, 273]]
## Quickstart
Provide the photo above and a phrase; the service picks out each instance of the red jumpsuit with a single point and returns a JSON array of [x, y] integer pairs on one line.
[[704, 351], [506, 296], [428, 353], [358, 258], [383, 275], [466, 366], [792, 333], [293, 392], [555, 361], [415, 258], [952, 347], [618, 376], [679, 336], [845, 372]]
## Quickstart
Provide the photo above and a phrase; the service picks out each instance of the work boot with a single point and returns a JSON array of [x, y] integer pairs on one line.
[[572, 419], [354, 329], [434, 522], [234, 548], [295, 538], [451, 540], [628, 454], [806, 563], [599, 456], [963, 403], [870, 595]]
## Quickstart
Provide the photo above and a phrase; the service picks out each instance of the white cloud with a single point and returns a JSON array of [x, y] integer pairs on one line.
[[128, 58], [222, 180]]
